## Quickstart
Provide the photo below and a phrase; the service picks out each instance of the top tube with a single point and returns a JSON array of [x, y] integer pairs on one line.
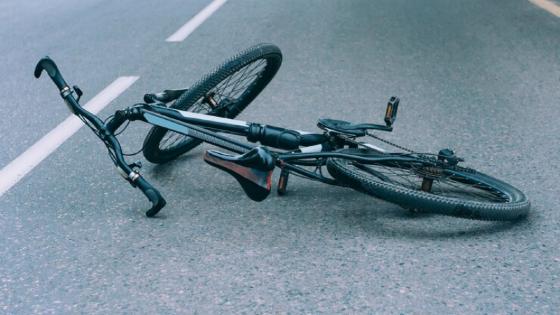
[[275, 137]]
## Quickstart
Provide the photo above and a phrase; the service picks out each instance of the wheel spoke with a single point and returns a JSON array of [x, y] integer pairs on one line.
[[232, 87], [411, 176]]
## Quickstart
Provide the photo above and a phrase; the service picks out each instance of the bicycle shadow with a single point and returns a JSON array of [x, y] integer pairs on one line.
[[348, 208], [377, 217], [162, 172], [405, 224]]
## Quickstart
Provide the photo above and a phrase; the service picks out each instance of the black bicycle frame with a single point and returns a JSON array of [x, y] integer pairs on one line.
[[205, 128], [188, 124]]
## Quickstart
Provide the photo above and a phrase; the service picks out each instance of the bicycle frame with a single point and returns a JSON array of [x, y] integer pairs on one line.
[[301, 148], [206, 128]]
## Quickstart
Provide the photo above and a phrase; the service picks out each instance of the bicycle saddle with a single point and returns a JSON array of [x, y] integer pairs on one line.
[[253, 170], [345, 127]]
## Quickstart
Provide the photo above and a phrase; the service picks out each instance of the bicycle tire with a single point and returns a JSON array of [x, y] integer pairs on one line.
[[263, 54], [514, 205]]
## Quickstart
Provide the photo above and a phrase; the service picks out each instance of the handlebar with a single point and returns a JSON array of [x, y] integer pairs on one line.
[[105, 132], [153, 195], [50, 67]]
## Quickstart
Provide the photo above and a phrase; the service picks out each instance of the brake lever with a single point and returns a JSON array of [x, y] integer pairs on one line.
[[78, 92]]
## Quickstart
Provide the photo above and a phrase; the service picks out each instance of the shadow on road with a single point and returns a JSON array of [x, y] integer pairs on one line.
[[169, 170], [401, 223], [338, 208], [352, 210]]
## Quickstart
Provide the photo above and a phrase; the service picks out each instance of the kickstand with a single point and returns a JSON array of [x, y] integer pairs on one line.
[[283, 182]]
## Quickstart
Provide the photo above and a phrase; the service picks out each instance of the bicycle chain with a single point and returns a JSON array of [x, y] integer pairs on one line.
[[391, 143], [419, 155]]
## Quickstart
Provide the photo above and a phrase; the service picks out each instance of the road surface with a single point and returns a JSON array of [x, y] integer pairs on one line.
[[482, 77]]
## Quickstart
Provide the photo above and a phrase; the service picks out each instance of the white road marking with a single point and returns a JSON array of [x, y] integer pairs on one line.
[[12, 173], [195, 22], [547, 5]]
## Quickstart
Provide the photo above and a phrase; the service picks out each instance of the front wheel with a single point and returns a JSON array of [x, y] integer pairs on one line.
[[424, 185], [225, 92]]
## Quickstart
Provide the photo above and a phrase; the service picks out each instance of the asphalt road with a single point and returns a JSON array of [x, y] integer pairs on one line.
[[481, 77]]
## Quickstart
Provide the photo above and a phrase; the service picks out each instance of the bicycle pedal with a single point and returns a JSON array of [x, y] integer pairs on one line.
[[283, 182], [391, 111]]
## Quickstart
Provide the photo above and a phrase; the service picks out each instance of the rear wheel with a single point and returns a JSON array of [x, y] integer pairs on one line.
[[424, 185], [225, 92]]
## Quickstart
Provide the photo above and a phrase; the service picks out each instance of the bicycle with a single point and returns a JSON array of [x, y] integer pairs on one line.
[[183, 119]]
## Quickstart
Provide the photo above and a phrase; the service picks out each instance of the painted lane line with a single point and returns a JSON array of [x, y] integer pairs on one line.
[[548, 6], [195, 22], [12, 173]]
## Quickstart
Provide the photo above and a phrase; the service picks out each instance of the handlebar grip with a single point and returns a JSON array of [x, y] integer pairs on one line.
[[153, 195], [50, 67]]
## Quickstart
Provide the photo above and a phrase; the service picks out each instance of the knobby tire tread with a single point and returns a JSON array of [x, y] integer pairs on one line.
[[429, 203], [270, 52]]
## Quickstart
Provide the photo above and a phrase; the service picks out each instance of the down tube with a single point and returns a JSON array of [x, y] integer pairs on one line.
[[196, 132]]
